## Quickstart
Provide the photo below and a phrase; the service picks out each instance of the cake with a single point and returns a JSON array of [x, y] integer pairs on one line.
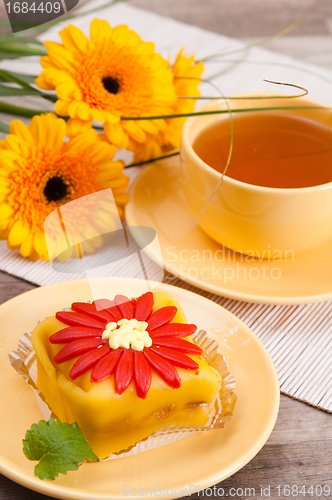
[[123, 369]]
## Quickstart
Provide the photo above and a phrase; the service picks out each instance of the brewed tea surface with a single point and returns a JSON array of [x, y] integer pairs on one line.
[[271, 150]]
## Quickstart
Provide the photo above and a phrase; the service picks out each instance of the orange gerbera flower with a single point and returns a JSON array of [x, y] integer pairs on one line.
[[114, 74], [40, 171], [186, 74]]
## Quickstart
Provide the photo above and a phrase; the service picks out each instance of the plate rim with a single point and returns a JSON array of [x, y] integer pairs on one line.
[[59, 491], [204, 285]]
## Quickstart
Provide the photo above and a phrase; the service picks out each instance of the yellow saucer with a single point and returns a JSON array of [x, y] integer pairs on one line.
[[201, 460], [157, 200]]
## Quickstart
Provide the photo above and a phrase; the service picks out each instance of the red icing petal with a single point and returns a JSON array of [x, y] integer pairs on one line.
[[88, 360], [102, 304], [105, 366], [133, 301], [78, 319], [176, 358], [161, 317], [179, 345], [91, 310], [144, 305], [84, 340], [124, 371], [110, 307], [142, 374], [174, 330], [74, 333], [76, 348], [125, 306], [164, 369], [116, 313]]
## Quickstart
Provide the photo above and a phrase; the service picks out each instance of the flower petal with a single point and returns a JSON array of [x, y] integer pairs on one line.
[[83, 111], [91, 310], [78, 37], [72, 108], [124, 371], [135, 131], [5, 211], [37, 130], [115, 135], [78, 319], [100, 30], [142, 374], [88, 360], [76, 348], [19, 129], [161, 317], [178, 344], [81, 141], [125, 306], [61, 107], [14, 143], [7, 159], [174, 330], [176, 358], [164, 369], [97, 115], [39, 243], [144, 305], [74, 333], [105, 366], [76, 126], [18, 233], [27, 249], [43, 84], [110, 307]]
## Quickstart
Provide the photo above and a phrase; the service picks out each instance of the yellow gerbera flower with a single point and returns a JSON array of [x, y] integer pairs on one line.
[[40, 171], [114, 74], [186, 74]]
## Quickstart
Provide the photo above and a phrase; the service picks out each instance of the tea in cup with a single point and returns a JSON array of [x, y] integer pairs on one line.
[[276, 195]]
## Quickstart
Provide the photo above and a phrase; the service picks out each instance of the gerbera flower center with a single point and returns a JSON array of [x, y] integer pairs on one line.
[[111, 84], [56, 188], [127, 333]]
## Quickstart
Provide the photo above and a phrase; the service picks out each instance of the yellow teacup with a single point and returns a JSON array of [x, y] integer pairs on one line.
[[254, 220]]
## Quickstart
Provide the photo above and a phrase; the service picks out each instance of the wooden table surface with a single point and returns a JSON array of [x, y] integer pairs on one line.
[[298, 452]]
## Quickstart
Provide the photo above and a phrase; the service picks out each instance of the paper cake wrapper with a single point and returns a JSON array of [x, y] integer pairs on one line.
[[24, 361]]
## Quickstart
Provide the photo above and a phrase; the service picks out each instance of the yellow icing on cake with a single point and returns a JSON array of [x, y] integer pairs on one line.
[[112, 422]]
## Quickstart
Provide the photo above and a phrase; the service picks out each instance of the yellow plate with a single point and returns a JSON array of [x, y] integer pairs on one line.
[[157, 200], [201, 460]]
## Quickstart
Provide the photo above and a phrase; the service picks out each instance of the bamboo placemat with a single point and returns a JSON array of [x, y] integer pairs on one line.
[[298, 338]]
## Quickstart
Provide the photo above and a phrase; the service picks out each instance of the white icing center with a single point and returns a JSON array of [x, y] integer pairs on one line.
[[127, 333]]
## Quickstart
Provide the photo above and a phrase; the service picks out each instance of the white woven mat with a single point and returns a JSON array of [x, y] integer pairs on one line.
[[298, 338]]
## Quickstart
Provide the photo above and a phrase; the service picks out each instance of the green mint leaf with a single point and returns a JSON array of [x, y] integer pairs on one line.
[[57, 446]]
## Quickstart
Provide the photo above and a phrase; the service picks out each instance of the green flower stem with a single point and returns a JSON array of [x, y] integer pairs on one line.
[[52, 98], [217, 112], [23, 50], [230, 98], [29, 113], [16, 38], [152, 160], [10, 109], [23, 77], [12, 78], [4, 128]]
